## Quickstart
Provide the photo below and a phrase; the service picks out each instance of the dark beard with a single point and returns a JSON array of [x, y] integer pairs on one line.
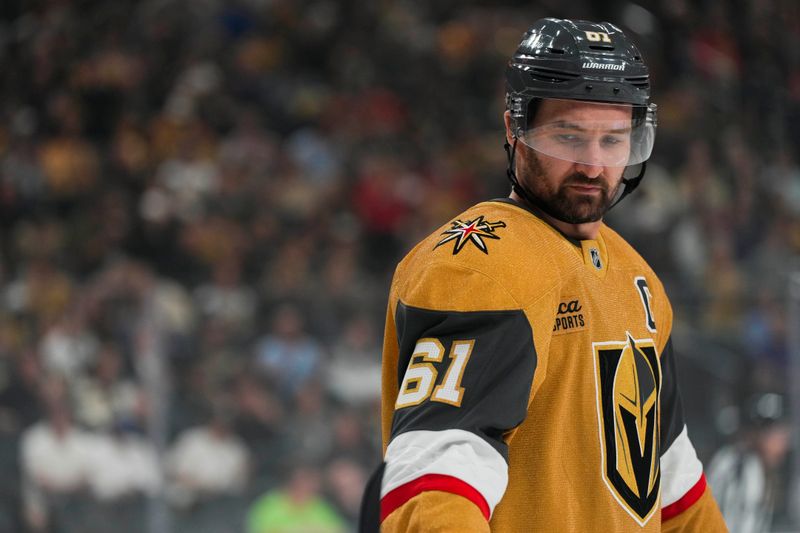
[[562, 204], [575, 208]]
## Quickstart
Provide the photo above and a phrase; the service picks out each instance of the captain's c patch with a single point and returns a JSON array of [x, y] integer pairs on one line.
[[475, 231]]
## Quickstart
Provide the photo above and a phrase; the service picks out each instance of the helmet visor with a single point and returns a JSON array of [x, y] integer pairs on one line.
[[593, 133]]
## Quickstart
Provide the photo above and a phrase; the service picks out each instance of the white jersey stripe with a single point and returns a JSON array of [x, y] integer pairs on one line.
[[452, 452], [680, 469]]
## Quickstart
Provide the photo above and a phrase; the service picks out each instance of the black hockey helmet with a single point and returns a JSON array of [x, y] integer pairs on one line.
[[580, 60]]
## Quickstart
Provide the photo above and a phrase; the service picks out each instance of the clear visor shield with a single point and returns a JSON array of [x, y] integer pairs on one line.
[[593, 133]]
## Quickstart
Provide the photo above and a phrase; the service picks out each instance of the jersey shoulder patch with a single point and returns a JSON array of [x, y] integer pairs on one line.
[[490, 247], [477, 231]]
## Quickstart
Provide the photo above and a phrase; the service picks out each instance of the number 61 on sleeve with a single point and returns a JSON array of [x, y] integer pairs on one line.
[[420, 377]]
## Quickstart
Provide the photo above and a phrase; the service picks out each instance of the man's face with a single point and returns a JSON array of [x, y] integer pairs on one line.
[[566, 132]]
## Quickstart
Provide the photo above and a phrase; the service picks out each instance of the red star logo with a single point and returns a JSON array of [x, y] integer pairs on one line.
[[473, 231]]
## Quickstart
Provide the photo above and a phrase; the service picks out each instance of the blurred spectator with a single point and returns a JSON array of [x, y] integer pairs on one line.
[[68, 347], [648, 222], [764, 334], [776, 247], [70, 163], [207, 461], [349, 438], [381, 207], [123, 465], [295, 507], [21, 178], [249, 150], [226, 298], [315, 155], [342, 288], [123, 472], [345, 480], [55, 458], [287, 353], [287, 276], [261, 421], [311, 433], [223, 354], [724, 284], [746, 475], [19, 398], [782, 179], [354, 372], [704, 195], [105, 395], [211, 239], [121, 297], [40, 289], [190, 176]]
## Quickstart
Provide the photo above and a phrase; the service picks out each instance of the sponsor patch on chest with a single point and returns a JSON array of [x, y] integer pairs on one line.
[[570, 317]]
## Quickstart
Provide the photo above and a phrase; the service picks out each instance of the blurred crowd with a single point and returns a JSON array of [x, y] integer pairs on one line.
[[201, 205]]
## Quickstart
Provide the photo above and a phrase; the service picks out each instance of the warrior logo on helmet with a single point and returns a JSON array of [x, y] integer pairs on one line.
[[628, 379]]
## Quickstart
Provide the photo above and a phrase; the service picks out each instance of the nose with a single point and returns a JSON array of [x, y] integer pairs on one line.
[[591, 164], [590, 171]]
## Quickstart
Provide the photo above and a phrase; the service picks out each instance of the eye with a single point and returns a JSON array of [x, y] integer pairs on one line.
[[612, 140], [568, 138]]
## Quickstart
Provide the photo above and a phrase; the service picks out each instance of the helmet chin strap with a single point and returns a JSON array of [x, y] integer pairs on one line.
[[511, 150], [630, 184]]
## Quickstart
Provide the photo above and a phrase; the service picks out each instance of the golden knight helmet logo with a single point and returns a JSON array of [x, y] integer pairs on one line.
[[628, 379]]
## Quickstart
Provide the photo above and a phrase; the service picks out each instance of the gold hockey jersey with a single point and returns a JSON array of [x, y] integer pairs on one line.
[[529, 385]]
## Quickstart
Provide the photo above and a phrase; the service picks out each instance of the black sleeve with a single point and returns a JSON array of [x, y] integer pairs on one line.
[[369, 515], [496, 380], [671, 406]]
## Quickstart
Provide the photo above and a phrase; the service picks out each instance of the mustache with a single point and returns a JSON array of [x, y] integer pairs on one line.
[[581, 180]]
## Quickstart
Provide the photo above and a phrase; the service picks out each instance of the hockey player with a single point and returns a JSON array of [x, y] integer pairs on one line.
[[528, 373]]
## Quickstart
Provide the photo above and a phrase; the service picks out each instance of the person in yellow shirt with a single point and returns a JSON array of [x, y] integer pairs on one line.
[[529, 378]]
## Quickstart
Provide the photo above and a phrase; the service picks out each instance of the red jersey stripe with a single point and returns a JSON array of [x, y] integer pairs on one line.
[[686, 501], [453, 485]]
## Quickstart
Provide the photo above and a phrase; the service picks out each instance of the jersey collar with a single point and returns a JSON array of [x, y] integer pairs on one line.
[[595, 255]]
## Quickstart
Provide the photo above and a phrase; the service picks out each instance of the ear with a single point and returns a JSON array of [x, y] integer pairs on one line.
[[509, 133]]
